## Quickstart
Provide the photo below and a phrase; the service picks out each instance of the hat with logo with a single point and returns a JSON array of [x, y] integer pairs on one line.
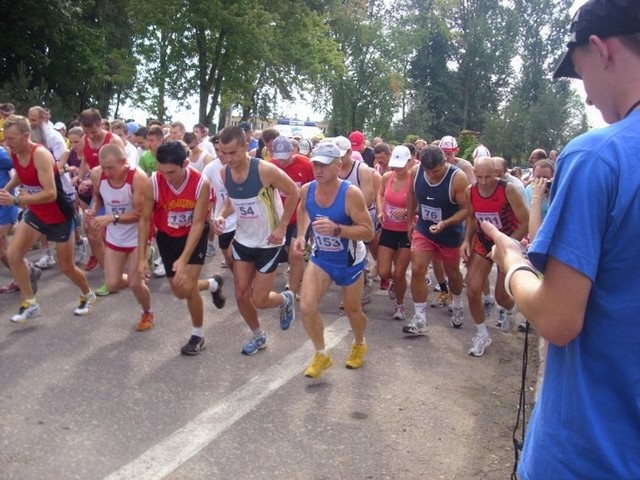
[[305, 146], [448, 144], [399, 157], [325, 152], [282, 148], [357, 139], [603, 18], [343, 144], [480, 151]]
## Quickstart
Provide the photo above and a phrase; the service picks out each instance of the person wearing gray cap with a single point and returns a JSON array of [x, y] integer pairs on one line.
[[340, 223], [586, 422]]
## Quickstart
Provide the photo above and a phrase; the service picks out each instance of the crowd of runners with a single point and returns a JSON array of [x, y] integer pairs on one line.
[[157, 200]]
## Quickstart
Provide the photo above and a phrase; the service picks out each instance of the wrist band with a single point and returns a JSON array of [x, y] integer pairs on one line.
[[514, 269]]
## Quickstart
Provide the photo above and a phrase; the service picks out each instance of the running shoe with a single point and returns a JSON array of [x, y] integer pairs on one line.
[[523, 325], [442, 300], [91, 264], [287, 312], [10, 288], [159, 270], [223, 264], [194, 346], [45, 261], [391, 291], [356, 357], [146, 322], [27, 310], [255, 343], [86, 302], [151, 254], [489, 305], [34, 275], [319, 363], [478, 345], [102, 290], [211, 249], [457, 317], [509, 320], [416, 327], [82, 251], [500, 319], [399, 312], [218, 297]]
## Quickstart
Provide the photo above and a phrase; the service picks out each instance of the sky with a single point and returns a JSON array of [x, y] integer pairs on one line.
[[303, 110]]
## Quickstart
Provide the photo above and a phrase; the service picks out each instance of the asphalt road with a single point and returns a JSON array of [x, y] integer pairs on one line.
[[91, 398]]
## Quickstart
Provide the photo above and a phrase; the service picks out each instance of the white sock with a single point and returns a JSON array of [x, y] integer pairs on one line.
[[420, 308], [457, 300], [213, 285], [197, 331], [482, 329], [323, 351], [488, 298], [257, 332]]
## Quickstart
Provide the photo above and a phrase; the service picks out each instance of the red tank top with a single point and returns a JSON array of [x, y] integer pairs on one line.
[[495, 209], [173, 210], [49, 212], [91, 154]]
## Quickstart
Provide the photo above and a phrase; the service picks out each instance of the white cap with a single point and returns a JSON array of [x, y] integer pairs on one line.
[[343, 143], [480, 151], [448, 143], [325, 152], [399, 157], [59, 126]]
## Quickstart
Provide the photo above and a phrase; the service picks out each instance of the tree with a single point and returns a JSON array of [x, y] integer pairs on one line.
[[69, 55], [232, 53], [541, 113]]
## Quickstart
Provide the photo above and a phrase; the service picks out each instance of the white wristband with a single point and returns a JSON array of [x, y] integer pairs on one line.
[[514, 269]]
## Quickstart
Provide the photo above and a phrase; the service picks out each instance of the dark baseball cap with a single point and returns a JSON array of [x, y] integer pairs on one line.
[[246, 126], [603, 18]]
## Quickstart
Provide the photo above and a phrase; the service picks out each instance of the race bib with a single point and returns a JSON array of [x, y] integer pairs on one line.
[[394, 214], [491, 217], [247, 210], [180, 219], [431, 214], [328, 243]]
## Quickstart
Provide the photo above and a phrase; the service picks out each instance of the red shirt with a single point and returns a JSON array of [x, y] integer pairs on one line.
[[495, 209], [173, 209], [91, 154], [49, 212], [300, 171]]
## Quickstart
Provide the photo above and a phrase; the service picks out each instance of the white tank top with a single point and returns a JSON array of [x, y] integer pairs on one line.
[[119, 200]]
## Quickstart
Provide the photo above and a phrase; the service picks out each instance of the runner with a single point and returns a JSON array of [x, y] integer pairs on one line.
[[253, 185], [176, 199], [338, 215], [48, 213]]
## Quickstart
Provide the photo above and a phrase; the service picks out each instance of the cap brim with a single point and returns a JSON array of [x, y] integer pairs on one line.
[[397, 163], [565, 68], [281, 156], [323, 159]]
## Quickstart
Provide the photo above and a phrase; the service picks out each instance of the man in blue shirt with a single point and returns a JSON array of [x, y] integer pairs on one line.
[[586, 424]]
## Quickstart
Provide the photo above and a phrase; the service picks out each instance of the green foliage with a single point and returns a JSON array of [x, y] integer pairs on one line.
[[67, 56]]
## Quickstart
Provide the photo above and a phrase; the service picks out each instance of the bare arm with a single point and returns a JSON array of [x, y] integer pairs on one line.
[[520, 210], [365, 177], [554, 304], [272, 175], [380, 196], [356, 208], [144, 225], [302, 220], [412, 201]]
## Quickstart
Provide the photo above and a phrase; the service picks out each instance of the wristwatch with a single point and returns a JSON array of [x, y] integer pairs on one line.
[[337, 230], [116, 218]]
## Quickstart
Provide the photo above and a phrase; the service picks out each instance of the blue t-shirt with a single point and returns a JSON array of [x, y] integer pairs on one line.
[[586, 424]]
